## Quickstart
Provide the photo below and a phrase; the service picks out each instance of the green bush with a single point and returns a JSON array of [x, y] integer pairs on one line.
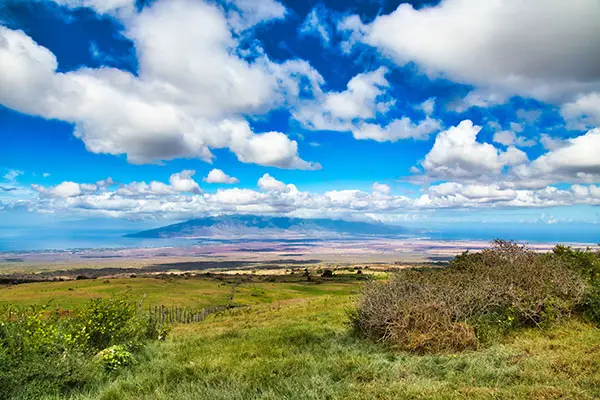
[[479, 297], [587, 264], [115, 357], [44, 352]]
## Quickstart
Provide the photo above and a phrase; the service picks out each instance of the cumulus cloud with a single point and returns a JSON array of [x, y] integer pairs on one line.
[[190, 96], [64, 189], [363, 99], [584, 112], [552, 143], [453, 193], [137, 200], [381, 188], [576, 161], [179, 183], [510, 138], [456, 154], [457, 195], [270, 184], [489, 44], [355, 109], [183, 182], [218, 176]]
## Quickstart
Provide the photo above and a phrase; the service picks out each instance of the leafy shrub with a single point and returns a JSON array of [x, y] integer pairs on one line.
[[587, 263], [44, 352], [480, 296], [107, 322], [115, 357]]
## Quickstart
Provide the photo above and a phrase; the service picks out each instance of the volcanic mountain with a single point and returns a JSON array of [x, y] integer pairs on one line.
[[269, 227]]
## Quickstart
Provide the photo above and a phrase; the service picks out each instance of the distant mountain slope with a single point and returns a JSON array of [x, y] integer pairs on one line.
[[250, 225]]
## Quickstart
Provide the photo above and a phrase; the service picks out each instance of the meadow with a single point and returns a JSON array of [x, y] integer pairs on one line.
[[291, 338], [181, 291]]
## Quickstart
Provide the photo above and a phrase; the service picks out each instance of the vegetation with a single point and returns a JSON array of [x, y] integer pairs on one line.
[[190, 292], [530, 317], [302, 349], [479, 298], [43, 352]]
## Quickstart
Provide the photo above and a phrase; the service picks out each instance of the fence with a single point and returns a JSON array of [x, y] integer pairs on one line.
[[162, 315]]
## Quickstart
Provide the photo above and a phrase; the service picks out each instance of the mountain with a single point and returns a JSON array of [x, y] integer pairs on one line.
[[251, 225]]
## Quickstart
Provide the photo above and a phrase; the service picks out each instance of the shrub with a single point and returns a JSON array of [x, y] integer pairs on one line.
[[114, 357], [106, 322], [44, 352], [587, 264], [480, 296]]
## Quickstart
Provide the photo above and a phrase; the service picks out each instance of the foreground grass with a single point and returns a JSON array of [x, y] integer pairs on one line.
[[292, 341], [302, 349]]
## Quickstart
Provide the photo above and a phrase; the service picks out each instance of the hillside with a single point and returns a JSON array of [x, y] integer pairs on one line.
[[251, 225]]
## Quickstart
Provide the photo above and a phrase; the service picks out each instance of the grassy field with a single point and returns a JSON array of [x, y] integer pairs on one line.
[[293, 342], [302, 349], [193, 293]]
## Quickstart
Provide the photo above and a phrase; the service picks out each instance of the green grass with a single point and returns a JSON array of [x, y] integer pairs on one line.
[[302, 349], [293, 342], [194, 293]]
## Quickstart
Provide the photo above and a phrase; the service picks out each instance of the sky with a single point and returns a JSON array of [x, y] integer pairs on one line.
[[424, 112]]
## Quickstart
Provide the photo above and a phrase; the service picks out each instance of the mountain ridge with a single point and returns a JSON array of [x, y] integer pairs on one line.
[[254, 225]]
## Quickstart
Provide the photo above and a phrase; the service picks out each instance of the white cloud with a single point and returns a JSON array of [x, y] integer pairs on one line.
[[509, 138], [536, 48], [180, 182], [456, 154], [270, 184], [316, 24], [121, 7], [576, 161], [138, 200], [218, 176], [363, 99], [428, 106], [183, 182], [356, 108], [459, 194], [11, 175], [65, 189], [584, 112], [247, 13], [191, 95], [271, 149], [529, 116], [398, 129], [381, 188], [552, 143]]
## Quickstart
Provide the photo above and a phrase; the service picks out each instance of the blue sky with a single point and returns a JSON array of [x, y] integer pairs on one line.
[[418, 112]]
